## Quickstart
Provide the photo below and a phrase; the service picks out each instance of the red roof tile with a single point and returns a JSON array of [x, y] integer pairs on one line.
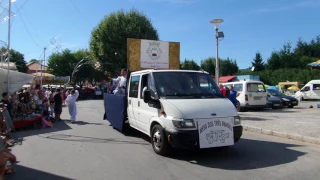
[[224, 79]]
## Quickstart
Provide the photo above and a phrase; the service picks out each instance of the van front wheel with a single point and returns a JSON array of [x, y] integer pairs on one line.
[[159, 142]]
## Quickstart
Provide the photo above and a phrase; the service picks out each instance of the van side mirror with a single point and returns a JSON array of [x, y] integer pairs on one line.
[[147, 96]]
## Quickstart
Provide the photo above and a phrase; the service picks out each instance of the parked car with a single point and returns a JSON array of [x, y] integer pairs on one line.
[[98, 94], [251, 96], [274, 102], [287, 101]]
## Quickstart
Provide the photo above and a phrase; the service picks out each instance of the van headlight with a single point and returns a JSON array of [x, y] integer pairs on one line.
[[183, 123], [237, 120]]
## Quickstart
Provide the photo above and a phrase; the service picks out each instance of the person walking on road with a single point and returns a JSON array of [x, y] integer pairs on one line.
[[71, 102], [233, 96], [57, 105]]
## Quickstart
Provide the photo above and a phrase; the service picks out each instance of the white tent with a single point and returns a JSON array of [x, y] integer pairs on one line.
[[16, 80]]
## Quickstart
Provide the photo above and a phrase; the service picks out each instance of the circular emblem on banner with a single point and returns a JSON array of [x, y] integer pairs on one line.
[[154, 52]]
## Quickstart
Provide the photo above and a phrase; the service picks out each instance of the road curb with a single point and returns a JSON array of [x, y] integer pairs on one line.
[[282, 134]]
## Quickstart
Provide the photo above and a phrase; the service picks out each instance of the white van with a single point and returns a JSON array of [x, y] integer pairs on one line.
[[181, 109], [310, 91], [253, 94]]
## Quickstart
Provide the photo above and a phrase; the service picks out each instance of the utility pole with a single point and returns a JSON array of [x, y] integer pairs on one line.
[[9, 35], [44, 60]]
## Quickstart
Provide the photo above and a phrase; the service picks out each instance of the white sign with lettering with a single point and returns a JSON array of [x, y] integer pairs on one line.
[[154, 54], [216, 132]]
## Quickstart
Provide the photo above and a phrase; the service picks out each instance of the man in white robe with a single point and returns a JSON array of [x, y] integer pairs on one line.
[[121, 82], [71, 102]]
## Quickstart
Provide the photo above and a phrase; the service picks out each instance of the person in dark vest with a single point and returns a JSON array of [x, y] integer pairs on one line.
[[57, 105]]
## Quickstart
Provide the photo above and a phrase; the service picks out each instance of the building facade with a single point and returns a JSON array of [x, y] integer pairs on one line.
[[34, 67]]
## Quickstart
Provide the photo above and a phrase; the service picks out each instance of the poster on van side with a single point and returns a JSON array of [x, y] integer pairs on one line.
[[216, 132]]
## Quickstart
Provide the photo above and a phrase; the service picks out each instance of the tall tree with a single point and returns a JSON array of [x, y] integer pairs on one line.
[[228, 67], [258, 63], [189, 65], [17, 58], [208, 65], [108, 42], [64, 63], [33, 60]]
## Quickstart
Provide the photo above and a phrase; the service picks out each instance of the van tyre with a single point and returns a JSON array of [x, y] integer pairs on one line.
[[158, 140]]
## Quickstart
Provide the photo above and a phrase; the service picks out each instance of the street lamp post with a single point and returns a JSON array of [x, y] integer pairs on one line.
[[216, 22], [44, 65]]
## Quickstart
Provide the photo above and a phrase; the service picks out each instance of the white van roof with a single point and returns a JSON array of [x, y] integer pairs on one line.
[[314, 81], [238, 82], [164, 70]]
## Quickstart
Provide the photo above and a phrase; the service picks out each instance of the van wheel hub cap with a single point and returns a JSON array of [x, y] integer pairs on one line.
[[157, 139]]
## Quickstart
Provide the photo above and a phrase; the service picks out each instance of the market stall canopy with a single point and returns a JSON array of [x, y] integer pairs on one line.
[[294, 88], [273, 88], [261, 87], [16, 80], [315, 64], [38, 74]]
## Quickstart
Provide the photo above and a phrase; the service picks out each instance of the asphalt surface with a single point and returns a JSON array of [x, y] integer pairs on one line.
[[93, 150]]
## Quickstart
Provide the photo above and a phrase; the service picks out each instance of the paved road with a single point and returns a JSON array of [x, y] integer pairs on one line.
[[93, 150]]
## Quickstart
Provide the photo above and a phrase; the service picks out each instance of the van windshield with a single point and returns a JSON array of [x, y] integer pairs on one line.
[[179, 85]]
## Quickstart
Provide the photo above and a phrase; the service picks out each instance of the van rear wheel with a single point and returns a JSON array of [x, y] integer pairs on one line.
[[158, 140]]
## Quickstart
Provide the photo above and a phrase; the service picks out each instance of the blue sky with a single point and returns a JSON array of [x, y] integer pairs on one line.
[[249, 25]]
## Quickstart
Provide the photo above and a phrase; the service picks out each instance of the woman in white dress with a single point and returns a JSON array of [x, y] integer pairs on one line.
[[71, 102]]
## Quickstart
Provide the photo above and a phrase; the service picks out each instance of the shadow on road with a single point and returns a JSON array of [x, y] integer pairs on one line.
[[284, 110], [74, 138], [58, 126], [248, 118], [245, 155], [84, 123], [25, 173]]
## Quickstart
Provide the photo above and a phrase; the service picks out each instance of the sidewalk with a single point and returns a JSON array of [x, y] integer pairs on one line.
[[299, 123]]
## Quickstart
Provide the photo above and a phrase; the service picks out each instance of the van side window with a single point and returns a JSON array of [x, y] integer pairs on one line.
[[316, 86], [238, 87], [146, 82], [134, 86]]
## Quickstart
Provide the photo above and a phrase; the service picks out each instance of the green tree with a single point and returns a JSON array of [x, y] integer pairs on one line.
[[228, 67], [64, 63], [33, 60], [189, 65], [258, 63], [108, 42], [17, 58], [208, 65]]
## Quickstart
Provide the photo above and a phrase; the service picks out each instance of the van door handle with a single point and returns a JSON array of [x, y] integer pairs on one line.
[[130, 101], [138, 103]]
